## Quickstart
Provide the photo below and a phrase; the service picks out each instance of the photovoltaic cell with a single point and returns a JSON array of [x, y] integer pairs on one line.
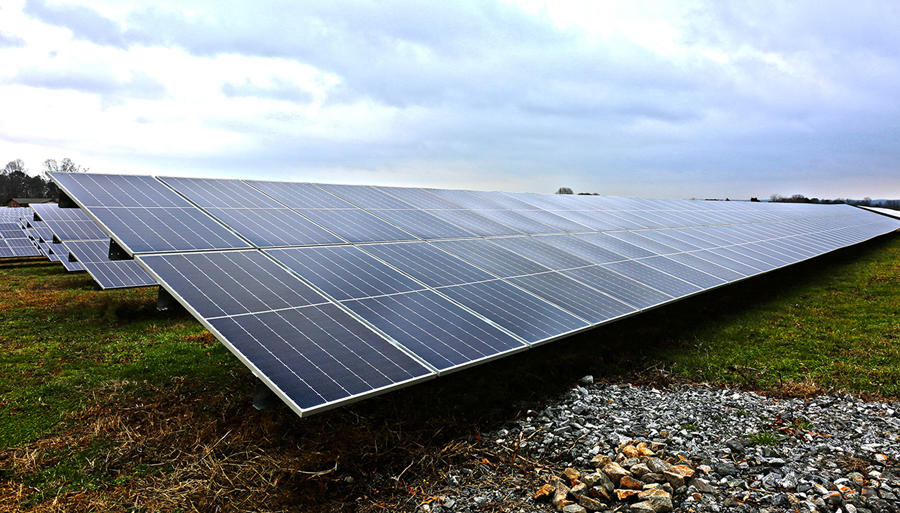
[[544, 254], [627, 290], [433, 328], [517, 221], [490, 257], [684, 272], [364, 196], [344, 272], [144, 215], [426, 263], [422, 224], [356, 225], [615, 245], [151, 230], [654, 278], [273, 227], [581, 248], [310, 352], [474, 223], [299, 195], [531, 318], [231, 282], [585, 302]]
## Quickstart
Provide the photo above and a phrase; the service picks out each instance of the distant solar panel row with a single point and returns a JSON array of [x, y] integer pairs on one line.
[[333, 292], [83, 245], [14, 240]]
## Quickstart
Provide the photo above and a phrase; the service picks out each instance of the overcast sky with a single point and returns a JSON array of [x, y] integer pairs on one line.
[[650, 99]]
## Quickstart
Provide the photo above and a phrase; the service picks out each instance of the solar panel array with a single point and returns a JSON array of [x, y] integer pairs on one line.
[[83, 245], [14, 241], [330, 293], [886, 211]]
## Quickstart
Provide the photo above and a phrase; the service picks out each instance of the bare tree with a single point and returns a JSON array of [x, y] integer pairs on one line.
[[564, 190]]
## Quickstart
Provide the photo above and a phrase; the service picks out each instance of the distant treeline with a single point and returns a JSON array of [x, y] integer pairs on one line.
[[865, 202], [15, 182]]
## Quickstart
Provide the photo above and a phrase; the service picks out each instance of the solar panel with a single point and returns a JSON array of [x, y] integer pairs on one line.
[[253, 215], [109, 274], [585, 302], [438, 331], [143, 215], [474, 222], [527, 316], [344, 272], [427, 263], [627, 290], [310, 352], [492, 258], [411, 283], [655, 278], [422, 224], [544, 254], [356, 225]]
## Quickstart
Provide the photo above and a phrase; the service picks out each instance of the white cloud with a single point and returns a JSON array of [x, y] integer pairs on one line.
[[664, 99]]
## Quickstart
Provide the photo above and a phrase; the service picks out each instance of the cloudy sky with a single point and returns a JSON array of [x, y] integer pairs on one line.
[[628, 98]]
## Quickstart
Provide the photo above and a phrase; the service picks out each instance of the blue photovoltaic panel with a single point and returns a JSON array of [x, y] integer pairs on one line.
[[525, 315], [491, 257], [98, 190], [657, 279], [253, 215], [365, 196], [736, 261], [707, 266], [212, 192], [317, 355], [426, 263], [154, 230], [645, 243], [517, 221], [505, 200], [344, 272], [299, 195], [615, 245], [592, 219], [625, 289], [683, 271], [356, 225], [419, 198], [273, 227], [422, 224], [668, 239], [433, 328], [231, 282], [466, 199], [585, 302], [544, 254], [558, 223], [473, 222], [144, 215], [94, 257], [581, 248], [312, 353]]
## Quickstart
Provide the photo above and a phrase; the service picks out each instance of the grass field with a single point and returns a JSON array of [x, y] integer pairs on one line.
[[106, 404]]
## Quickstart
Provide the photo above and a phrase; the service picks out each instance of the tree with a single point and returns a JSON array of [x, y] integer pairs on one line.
[[564, 190], [66, 166]]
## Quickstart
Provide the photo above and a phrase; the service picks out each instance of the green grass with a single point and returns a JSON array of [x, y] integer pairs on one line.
[[764, 438], [828, 324], [63, 342]]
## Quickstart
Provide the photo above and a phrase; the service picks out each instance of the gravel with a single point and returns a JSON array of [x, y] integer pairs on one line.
[[750, 452]]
